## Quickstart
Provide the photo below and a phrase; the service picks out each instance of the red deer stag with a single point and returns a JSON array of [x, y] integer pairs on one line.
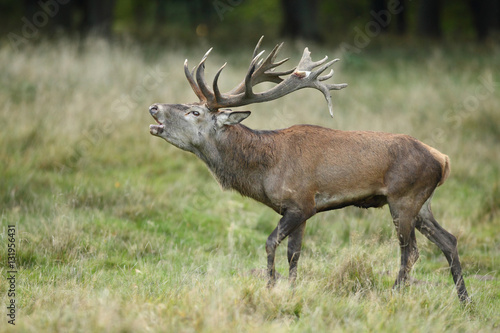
[[304, 169]]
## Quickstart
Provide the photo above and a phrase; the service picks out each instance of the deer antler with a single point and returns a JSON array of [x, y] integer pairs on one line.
[[305, 75]]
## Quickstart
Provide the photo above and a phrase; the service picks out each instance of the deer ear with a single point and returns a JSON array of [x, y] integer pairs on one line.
[[231, 117]]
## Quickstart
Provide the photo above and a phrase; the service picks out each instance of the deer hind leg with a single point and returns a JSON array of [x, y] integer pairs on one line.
[[287, 225], [405, 228], [447, 243]]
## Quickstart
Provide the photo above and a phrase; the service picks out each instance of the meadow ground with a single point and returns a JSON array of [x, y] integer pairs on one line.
[[117, 231]]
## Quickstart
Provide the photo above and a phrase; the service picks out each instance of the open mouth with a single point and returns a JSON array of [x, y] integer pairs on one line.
[[156, 129]]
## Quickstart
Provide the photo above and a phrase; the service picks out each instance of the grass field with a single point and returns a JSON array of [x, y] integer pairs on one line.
[[117, 231]]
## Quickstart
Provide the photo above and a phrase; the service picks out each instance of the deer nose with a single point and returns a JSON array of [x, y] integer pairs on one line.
[[153, 109]]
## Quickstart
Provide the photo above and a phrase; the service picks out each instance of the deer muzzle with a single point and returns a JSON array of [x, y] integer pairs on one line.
[[155, 129]]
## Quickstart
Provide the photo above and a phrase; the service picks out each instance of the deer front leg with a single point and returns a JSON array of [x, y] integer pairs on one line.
[[271, 245], [405, 229], [409, 255], [294, 248], [288, 224]]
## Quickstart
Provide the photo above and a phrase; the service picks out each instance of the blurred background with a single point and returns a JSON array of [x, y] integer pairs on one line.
[[121, 232], [238, 20]]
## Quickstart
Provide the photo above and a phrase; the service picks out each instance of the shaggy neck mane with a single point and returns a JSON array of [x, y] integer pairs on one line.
[[238, 155]]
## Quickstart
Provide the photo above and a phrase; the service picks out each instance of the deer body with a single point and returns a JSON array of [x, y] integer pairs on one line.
[[335, 168], [305, 169]]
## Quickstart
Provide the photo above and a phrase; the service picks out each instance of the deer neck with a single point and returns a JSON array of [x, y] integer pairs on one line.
[[239, 157]]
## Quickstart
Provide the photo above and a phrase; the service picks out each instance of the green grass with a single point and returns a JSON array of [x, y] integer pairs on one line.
[[120, 232]]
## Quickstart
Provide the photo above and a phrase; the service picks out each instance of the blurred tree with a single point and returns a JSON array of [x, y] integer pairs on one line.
[[301, 19], [201, 12], [98, 15], [496, 22], [379, 6], [161, 9], [401, 23], [75, 15], [429, 18], [195, 13], [485, 15], [384, 10]]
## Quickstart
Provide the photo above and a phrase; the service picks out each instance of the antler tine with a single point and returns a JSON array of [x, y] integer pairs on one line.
[[257, 47], [327, 76], [276, 64], [250, 72], [326, 92], [200, 79], [320, 70], [192, 82], [218, 96], [282, 73], [271, 56], [319, 62], [336, 86], [256, 60], [306, 63]]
